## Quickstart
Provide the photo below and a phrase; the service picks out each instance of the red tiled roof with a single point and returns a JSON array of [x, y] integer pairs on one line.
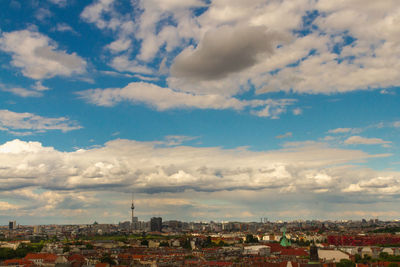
[[138, 257], [271, 264], [125, 256], [210, 249], [275, 247], [380, 263], [294, 252], [368, 240], [17, 261], [218, 263], [43, 256], [192, 262], [31, 256], [76, 257]]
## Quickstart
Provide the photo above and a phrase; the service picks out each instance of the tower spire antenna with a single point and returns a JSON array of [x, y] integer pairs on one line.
[[132, 209]]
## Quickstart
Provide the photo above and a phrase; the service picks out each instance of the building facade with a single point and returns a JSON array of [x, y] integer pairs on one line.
[[156, 224]]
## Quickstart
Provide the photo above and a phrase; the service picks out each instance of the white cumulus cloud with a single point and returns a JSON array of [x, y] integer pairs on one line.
[[38, 57], [29, 123], [359, 140], [165, 98]]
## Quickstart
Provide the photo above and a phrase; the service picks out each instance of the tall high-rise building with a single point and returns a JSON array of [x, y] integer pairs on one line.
[[37, 229], [156, 224], [12, 225]]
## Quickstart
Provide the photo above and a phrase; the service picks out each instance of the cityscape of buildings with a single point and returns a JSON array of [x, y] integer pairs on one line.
[[373, 243]]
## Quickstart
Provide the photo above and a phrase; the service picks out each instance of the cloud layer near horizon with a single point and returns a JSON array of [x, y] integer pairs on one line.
[[157, 167]]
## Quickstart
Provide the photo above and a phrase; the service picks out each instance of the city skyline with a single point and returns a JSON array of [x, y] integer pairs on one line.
[[145, 224], [205, 109]]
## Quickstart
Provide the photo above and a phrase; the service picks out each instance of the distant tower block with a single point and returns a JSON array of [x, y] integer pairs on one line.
[[12, 225]]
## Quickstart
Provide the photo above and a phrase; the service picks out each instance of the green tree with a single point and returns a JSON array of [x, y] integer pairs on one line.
[[66, 248], [364, 260], [122, 239], [20, 252], [358, 258], [186, 243], [383, 255], [208, 242], [345, 263], [164, 244], [144, 242], [107, 259], [251, 239]]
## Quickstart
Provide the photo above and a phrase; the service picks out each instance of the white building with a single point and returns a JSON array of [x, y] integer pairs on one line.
[[261, 250], [332, 255]]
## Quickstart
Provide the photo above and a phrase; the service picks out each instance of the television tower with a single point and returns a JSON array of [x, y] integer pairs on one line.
[[132, 208]]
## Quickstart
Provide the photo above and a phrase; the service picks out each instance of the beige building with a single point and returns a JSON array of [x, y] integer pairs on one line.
[[332, 255]]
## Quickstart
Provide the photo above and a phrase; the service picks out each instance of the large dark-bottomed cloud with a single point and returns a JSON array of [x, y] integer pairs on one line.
[[224, 51]]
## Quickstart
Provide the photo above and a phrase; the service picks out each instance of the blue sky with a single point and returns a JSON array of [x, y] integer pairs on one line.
[[207, 110]]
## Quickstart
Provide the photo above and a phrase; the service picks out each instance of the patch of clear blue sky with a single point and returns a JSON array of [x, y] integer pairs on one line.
[[307, 23]]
